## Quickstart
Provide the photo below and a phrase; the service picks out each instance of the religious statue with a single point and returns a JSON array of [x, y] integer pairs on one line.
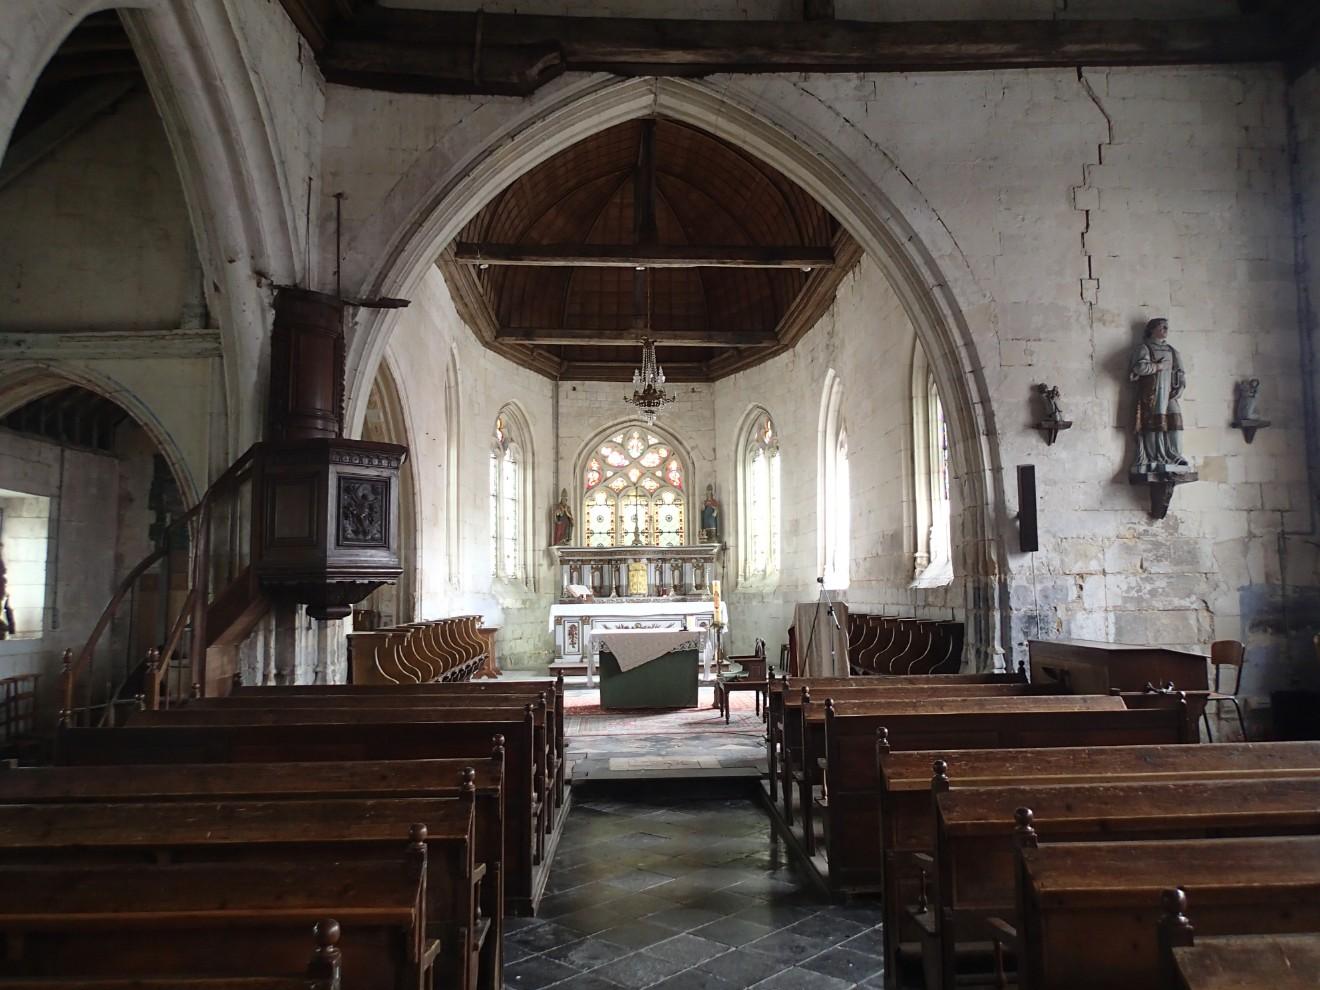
[[1157, 369], [563, 522], [710, 517], [1245, 416]]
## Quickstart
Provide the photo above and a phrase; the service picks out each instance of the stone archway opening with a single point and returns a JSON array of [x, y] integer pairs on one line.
[[855, 183]]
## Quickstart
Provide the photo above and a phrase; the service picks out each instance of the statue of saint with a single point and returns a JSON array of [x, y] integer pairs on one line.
[[1246, 401], [710, 516], [1157, 369], [562, 534]]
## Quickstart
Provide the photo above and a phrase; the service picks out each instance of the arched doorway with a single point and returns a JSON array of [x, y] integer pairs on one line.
[[386, 422]]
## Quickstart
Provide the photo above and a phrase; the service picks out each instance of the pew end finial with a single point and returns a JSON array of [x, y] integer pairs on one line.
[[1024, 832], [882, 740], [323, 971], [237, 679], [939, 781], [497, 748], [1175, 927], [806, 694], [829, 707], [468, 783]]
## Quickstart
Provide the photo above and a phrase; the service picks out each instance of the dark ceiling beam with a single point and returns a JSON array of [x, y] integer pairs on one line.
[[463, 52], [644, 256], [818, 10], [316, 20], [622, 371], [551, 336]]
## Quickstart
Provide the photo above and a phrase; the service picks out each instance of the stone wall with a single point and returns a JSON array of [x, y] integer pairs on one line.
[[80, 553], [429, 336], [96, 232]]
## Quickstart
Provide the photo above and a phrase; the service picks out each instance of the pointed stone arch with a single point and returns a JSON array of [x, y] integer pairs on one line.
[[391, 424], [853, 177]]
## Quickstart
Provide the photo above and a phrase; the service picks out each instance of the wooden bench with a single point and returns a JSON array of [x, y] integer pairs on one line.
[[391, 710], [301, 781], [553, 688], [1089, 912], [171, 923], [977, 828], [367, 738], [323, 832], [816, 754], [784, 687], [907, 822], [854, 740], [1233, 962], [862, 689]]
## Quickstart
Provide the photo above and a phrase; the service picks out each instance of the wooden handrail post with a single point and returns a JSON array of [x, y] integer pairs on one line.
[[201, 586], [66, 689], [152, 680]]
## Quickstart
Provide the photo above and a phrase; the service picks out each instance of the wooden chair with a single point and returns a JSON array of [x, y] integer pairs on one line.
[[752, 677], [1226, 653]]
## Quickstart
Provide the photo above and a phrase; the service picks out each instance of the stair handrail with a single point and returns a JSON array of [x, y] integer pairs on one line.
[[232, 476]]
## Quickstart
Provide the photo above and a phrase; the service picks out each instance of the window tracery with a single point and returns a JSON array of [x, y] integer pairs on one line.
[[633, 492], [761, 497]]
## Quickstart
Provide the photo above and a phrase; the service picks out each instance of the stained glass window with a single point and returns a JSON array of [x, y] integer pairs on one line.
[[761, 494], [632, 492]]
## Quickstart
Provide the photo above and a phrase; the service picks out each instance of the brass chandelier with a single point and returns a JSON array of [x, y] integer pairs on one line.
[[649, 395]]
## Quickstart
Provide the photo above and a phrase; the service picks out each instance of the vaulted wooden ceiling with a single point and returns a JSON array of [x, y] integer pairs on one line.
[[653, 228]]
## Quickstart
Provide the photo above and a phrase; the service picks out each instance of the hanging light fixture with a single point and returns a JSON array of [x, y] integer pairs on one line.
[[649, 395]]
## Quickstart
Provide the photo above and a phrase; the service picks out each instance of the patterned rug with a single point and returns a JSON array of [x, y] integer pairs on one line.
[[583, 717]]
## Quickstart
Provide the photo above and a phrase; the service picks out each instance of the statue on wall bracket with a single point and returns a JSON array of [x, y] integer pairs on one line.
[[710, 517], [1245, 417], [1159, 463], [562, 530]]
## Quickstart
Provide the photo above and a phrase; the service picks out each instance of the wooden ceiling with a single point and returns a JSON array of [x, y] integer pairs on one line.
[[650, 228], [359, 43]]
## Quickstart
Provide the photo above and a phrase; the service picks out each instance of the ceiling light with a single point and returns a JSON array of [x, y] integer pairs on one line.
[[649, 395], [484, 265], [640, 268]]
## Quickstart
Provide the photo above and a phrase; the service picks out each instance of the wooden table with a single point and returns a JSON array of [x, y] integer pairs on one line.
[[1086, 666]]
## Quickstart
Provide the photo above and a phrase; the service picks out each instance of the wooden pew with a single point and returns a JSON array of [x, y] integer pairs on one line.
[[854, 740], [779, 689], [907, 822], [1090, 911], [366, 779], [87, 924], [815, 750], [874, 689], [553, 688], [390, 710], [1233, 962], [976, 829], [323, 832], [270, 740]]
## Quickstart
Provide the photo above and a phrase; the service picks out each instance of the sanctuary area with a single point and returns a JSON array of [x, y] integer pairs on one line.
[[693, 494]]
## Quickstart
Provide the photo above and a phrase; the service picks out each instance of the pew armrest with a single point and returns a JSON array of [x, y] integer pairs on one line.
[[430, 951], [1001, 930], [923, 919]]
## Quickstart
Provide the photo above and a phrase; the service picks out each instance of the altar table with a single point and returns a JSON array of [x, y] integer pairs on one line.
[[576, 625], [648, 668]]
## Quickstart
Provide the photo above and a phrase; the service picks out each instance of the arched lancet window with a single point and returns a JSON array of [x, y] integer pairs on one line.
[[833, 490], [760, 466], [633, 492], [933, 559], [508, 502]]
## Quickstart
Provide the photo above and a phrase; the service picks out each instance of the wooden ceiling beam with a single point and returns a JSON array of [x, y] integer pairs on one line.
[[622, 371], [643, 256], [465, 52], [630, 338]]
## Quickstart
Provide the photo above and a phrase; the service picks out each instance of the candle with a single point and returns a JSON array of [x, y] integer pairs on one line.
[[715, 597]]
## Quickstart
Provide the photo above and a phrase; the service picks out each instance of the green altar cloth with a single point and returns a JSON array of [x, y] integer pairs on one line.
[[668, 681]]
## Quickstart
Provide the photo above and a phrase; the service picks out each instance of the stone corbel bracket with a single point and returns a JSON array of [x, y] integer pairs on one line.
[[1161, 486]]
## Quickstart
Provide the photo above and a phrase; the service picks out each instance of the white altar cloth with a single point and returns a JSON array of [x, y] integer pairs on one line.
[[634, 647], [577, 625]]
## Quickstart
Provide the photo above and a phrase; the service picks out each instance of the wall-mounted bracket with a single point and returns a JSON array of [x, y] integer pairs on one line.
[[1161, 486]]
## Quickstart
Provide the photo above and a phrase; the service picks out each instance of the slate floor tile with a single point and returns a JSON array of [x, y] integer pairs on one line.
[[732, 931], [537, 972], [687, 948], [641, 969], [742, 967], [545, 936], [636, 935], [803, 979], [584, 954], [845, 964]]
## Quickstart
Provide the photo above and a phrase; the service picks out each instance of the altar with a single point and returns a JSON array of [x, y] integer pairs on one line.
[[579, 626], [647, 668]]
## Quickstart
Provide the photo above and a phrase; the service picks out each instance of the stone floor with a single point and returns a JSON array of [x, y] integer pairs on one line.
[[685, 895]]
